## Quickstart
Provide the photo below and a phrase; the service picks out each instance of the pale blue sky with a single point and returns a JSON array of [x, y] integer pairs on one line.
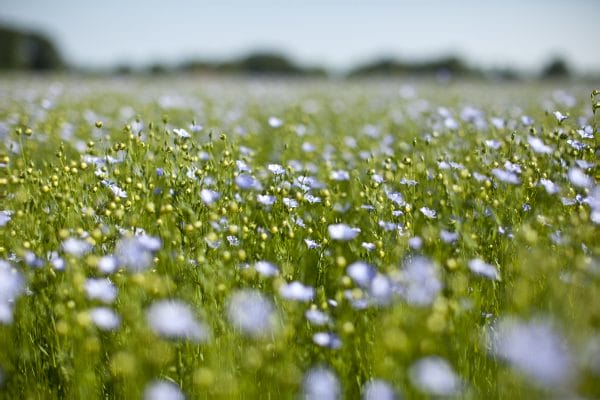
[[335, 33]]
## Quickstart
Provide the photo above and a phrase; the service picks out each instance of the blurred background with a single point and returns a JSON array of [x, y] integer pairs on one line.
[[507, 39]]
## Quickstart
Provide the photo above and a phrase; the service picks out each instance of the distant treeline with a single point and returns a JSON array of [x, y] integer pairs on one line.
[[21, 50]]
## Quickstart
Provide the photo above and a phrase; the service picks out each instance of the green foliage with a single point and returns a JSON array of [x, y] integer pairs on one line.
[[100, 161]]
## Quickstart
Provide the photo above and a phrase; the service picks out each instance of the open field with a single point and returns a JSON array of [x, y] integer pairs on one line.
[[239, 238]]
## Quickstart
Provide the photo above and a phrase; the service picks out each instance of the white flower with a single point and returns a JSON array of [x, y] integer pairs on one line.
[[428, 212], [209, 196], [233, 240], [276, 169], [105, 318], [576, 144], [586, 132], [340, 175], [251, 312], [100, 289], [342, 232], [242, 166], [117, 191], [396, 197], [5, 217], [163, 390], [327, 339], [493, 144], [311, 244], [534, 348], [506, 176], [266, 268], [266, 200], [297, 291], [275, 122], [579, 178], [317, 317], [174, 319], [538, 145], [512, 167], [435, 376], [480, 267], [368, 246], [551, 187], [320, 384], [182, 133], [290, 203], [76, 247], [312, 199], [559, 116], [378, 389]]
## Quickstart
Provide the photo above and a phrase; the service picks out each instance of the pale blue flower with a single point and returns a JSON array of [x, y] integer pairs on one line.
[[163, 390], [342, 232], [105, 318], [378, 389], [297, 291], [327, 339], [435, 376], [480, 267], [100, 289], [251, 312], [175, 319], [320, 383]]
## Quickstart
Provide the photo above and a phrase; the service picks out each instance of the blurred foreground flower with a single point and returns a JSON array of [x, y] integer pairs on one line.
[[174, 319], [534, 348], [435, 376], [342, 232], [12, 285], [251, 312], [320, 384], [136, 252], [163, 390]]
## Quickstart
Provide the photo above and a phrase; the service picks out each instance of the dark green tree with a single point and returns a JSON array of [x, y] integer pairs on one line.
[[556, 68], [20, 50]]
